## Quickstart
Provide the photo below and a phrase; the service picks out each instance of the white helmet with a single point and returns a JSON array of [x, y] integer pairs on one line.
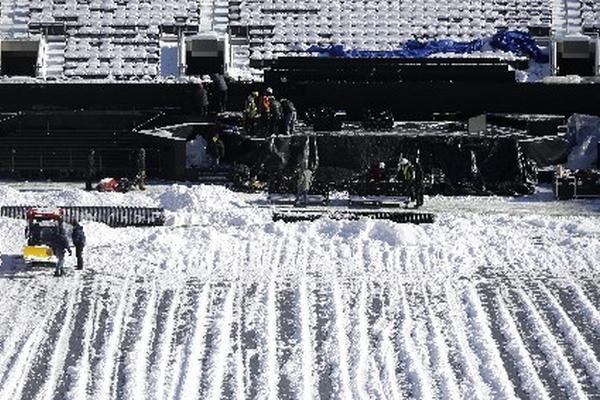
[[404, 161], [382, 165]]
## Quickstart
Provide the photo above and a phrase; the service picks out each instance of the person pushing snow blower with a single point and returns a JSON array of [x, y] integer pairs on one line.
[[60, 245]]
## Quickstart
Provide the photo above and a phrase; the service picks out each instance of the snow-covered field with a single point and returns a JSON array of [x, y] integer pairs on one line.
[[498, 299]]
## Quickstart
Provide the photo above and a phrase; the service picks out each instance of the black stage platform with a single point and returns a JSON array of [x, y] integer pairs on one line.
[[47, 128], [457, 162]]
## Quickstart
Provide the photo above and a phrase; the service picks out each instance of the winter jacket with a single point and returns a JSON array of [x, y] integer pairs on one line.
[[216, 147], [251, 108], [201, 96], [92, 161], [78, 236], [276, 110], [406, 173], [264, 105], [219, 82], [287, 107], [141, 160], [305, 180], [59, 244]]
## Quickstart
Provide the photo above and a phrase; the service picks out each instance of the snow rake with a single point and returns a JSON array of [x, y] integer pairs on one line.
[[401, 217], [113, 216]]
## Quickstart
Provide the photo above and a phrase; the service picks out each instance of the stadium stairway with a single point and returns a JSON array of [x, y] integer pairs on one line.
[[214, 16], [566, 16], [55, 56]]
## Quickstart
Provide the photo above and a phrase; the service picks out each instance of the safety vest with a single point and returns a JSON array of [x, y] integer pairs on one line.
[[406, 173], [251, 108]]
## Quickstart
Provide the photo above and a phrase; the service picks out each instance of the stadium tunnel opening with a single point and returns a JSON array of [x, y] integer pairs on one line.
[[19, 57], [576, 55], [205, 55]]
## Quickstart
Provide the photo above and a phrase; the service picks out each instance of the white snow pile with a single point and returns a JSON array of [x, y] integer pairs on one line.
[[205, 204], [583, 133], [481, 304], [70, 197]]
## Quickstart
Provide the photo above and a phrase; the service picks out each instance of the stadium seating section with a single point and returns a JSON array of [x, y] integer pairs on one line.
[[120, 39]]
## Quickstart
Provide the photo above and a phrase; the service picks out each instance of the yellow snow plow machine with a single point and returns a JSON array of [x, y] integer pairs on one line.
[[42, 225]]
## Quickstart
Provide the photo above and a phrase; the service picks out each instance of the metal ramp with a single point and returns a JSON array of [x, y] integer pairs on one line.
[[402, 217], [109, 215]]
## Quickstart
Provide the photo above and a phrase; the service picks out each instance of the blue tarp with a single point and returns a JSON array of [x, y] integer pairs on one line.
[[520, 43]]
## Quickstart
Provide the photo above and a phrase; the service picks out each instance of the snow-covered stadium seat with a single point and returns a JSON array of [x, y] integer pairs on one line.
[[110, 37], [121, 38], [378, 24]]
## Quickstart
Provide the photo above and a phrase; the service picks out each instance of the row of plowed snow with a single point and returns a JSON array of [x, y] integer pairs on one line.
[[302, 335], [474, 306]]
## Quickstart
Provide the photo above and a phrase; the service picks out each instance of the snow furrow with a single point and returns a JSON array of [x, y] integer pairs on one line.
[[491, 367], [188, 387], [270, 366], [474, 385], [530, 381], [582, 351], [60, 352], [16, 324], [326, 345], [438, 349], [289, 325], [13, 379], [359, 344], [233, 385], [81, 370], [559, 366], [339, 329], [136, 369], [184, 325], [113, 336], [590, 312], [305, 350], [158, 382], [419, 379], [221, 349]]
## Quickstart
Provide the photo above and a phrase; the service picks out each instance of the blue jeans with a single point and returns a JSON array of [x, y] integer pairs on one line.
[[302, 197], [290, 122], [60, 263]]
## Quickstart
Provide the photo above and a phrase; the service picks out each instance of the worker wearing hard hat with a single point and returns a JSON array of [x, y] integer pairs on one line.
[[251, 112], [406, 172]]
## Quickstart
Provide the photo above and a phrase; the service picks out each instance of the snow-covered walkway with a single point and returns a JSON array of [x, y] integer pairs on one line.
[[498, 299]]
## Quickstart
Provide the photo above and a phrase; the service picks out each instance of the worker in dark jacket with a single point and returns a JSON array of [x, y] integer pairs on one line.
[[60, 245], [78, 238], [276, 117], [220, 86], [418, 185], [216, 149], [289, 116], [91, 172], [201, 100], [140, 176], [251, 113]]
